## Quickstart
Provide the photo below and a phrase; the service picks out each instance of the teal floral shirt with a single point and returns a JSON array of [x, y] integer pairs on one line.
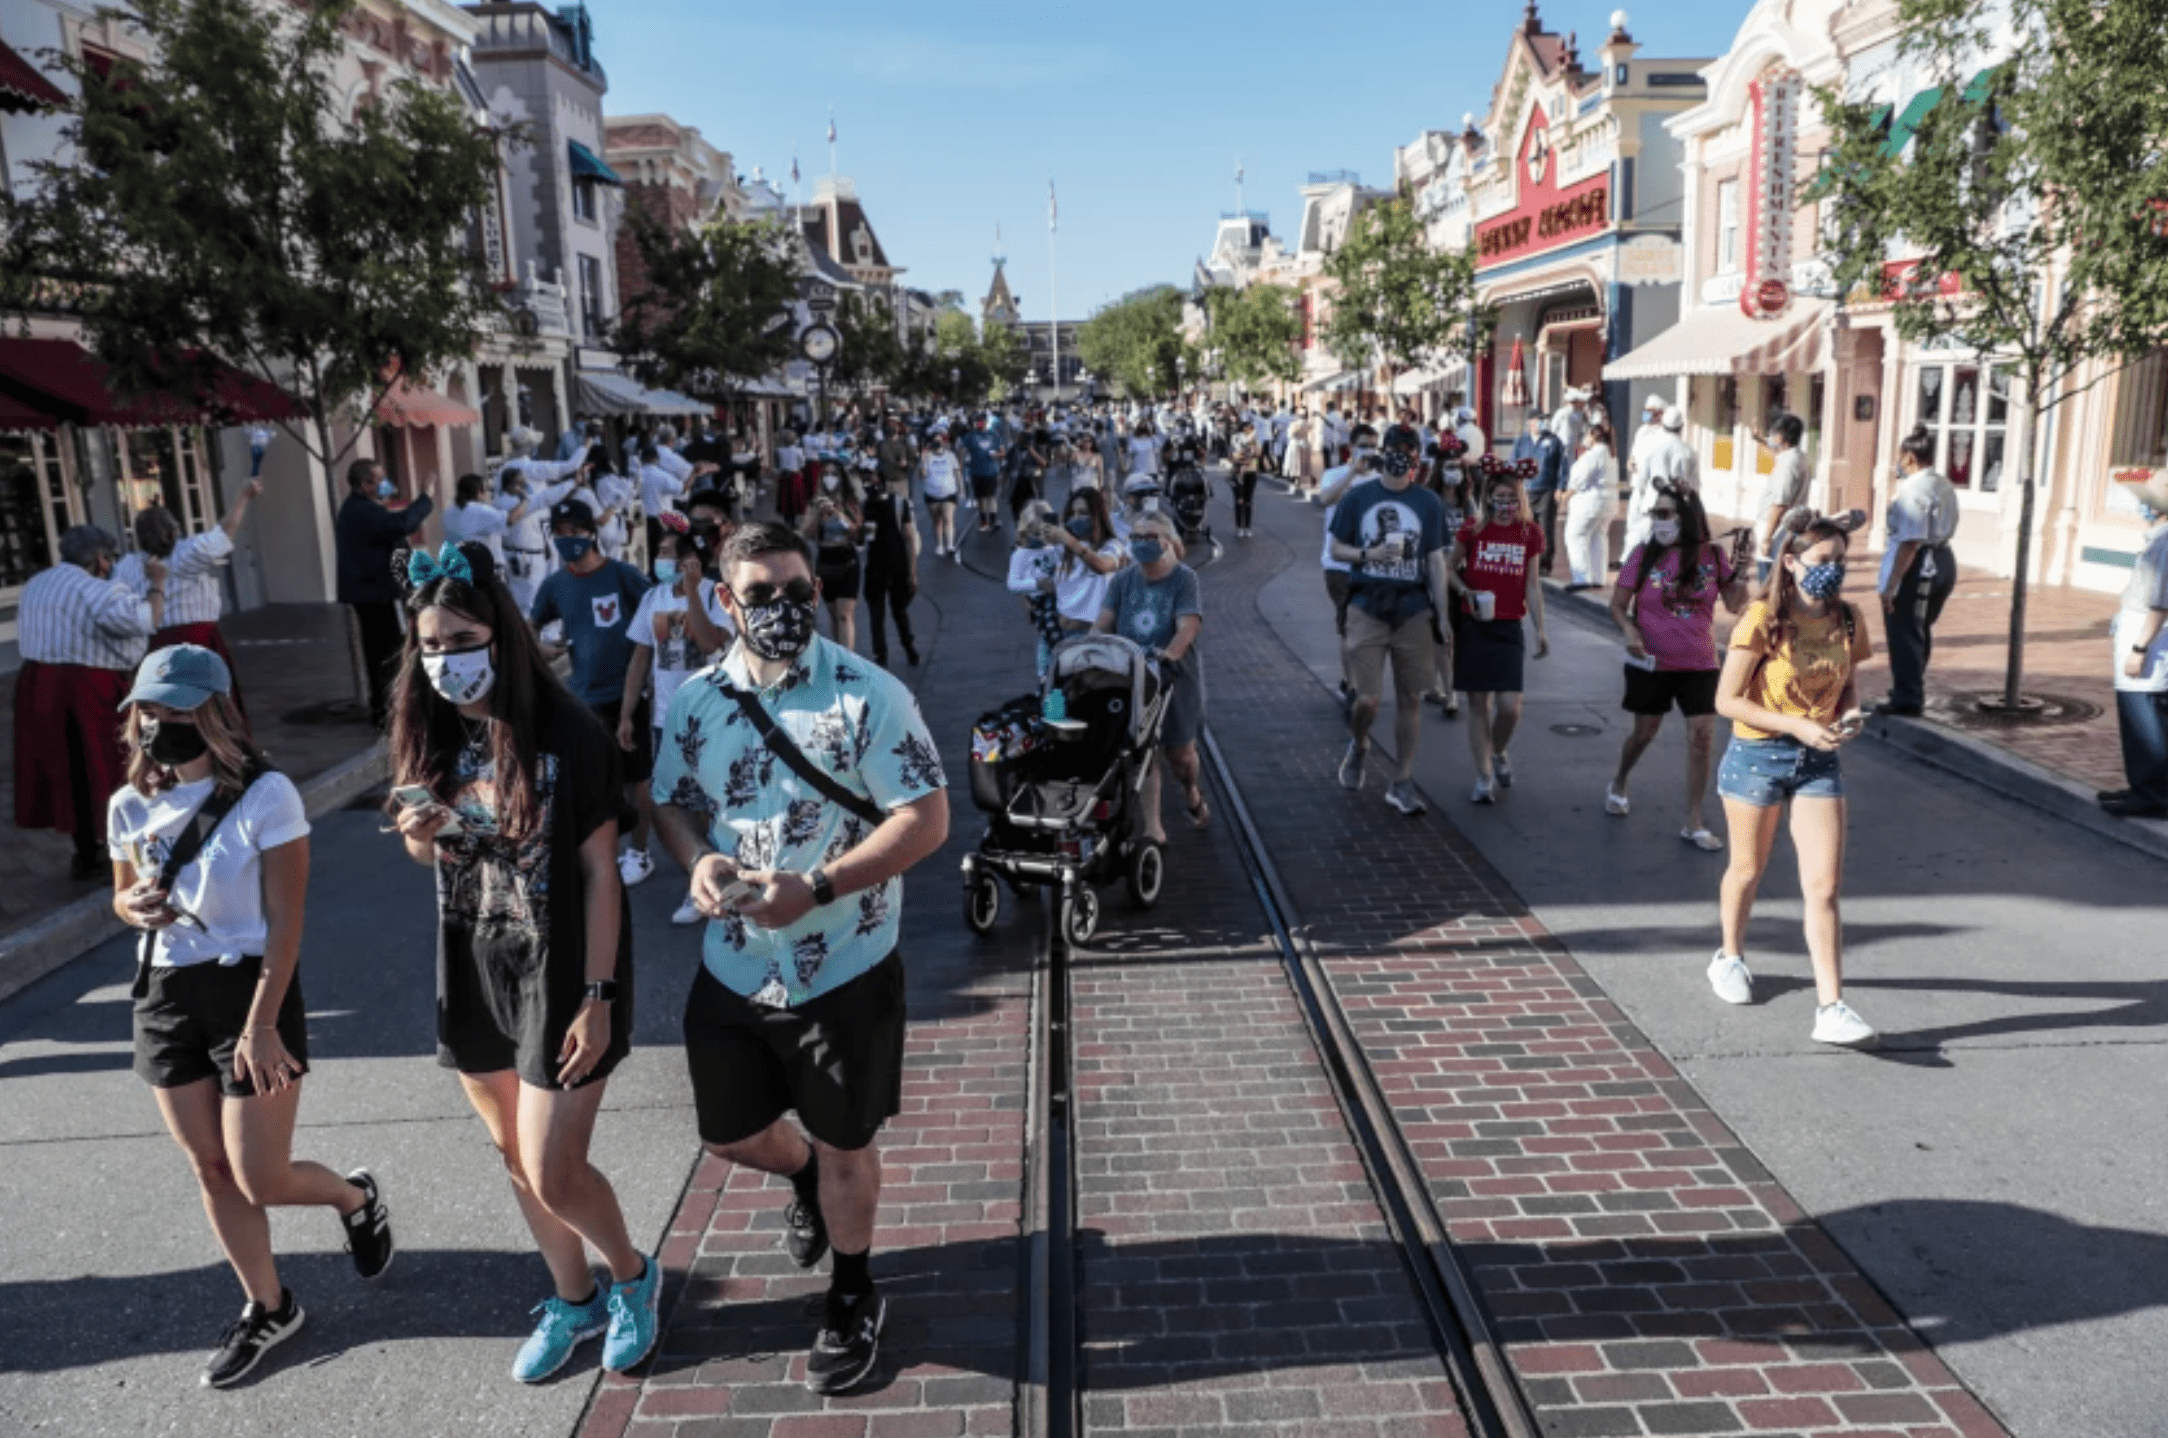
[[860, 725]]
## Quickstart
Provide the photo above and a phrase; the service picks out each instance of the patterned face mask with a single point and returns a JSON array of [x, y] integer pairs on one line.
[[1822, 581], [1397, 462], [462, 676], [779, 630]]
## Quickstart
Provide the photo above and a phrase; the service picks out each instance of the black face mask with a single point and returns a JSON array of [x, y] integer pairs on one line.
[[173, 744], [778, 630]]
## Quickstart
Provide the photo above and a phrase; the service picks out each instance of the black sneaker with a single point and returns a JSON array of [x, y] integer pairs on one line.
[[849, 1342], [805, 1232], [248, 1338], [368, 1228]]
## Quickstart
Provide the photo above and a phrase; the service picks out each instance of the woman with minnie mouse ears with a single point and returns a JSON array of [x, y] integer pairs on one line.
[[507, 786], [1493, 570]]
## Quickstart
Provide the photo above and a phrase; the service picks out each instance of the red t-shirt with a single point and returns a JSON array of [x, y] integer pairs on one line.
[[1497, 558]]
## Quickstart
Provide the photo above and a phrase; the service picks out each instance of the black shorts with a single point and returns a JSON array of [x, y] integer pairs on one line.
[[1488, 655], [836, 1059], [839, 576], [1654, 691], [638, 762], [986, 488], [188, 1022]]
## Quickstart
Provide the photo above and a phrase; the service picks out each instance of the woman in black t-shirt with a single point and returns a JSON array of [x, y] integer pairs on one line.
[[508, 787]]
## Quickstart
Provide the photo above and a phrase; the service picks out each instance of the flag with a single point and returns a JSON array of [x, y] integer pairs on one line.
[[1053, 210], [794, 169], [831, 128]]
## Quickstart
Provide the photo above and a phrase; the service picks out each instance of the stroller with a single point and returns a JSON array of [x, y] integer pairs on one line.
[[1062, 792]]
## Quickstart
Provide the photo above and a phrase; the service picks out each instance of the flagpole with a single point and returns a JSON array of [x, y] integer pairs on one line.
[[1053, 281], [831, 142]]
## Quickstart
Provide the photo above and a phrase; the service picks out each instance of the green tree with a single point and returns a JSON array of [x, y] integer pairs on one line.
[[1255, 331], [959, 366], [871, 354], [1136, 342], [1005, 359], [2037, 185], [715, 311], [222, 202], [1396, 300]]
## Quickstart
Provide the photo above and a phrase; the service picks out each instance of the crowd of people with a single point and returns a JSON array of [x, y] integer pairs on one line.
[[611, 651]]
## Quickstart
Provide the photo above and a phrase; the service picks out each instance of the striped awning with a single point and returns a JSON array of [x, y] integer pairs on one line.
[[1720, 339]]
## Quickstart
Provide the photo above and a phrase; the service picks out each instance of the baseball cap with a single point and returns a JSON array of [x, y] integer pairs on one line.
[[1674, 419], [180, 676], [573, 512]]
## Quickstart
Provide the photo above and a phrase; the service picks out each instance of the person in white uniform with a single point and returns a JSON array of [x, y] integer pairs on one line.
[[520, 479], [1592, 503]]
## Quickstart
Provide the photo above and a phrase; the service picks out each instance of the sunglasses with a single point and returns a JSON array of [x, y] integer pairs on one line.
[[1663, 514], [760, 596]]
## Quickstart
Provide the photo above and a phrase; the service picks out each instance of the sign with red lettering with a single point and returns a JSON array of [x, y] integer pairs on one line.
[[1548, 215], [1769, 204], [1898, 279]]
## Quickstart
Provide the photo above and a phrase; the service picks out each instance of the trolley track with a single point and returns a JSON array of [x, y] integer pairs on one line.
[[1051, 1402]]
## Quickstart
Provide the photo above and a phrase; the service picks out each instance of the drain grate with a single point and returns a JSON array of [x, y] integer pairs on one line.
[[1973, 711], [1576, 731]]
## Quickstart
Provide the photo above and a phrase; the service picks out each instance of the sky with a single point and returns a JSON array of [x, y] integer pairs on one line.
[[951, 118]]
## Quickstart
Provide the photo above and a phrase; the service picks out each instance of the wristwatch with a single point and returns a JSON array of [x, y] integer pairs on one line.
[[823, 891], [602, 991]]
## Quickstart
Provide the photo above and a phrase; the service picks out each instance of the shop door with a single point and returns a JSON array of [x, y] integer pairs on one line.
[[36, 505], [1584, 359]]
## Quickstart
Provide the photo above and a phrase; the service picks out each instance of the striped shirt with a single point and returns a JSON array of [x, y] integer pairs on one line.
[[193, 592], [67, 615]]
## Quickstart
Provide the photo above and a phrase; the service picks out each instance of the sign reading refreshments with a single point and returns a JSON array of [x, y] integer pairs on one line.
[[1547, 216], [1775, 160]]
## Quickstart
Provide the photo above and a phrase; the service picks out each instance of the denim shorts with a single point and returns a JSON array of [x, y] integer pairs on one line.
[[1766, 772]]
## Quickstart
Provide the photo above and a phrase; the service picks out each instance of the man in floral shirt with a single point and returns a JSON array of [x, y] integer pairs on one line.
[[799, 1004]]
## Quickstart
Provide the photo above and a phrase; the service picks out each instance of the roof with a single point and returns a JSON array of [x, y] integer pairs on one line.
[[849, 215]]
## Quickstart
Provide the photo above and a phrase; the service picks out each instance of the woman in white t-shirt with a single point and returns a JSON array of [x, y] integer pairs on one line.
[[672, 640], [219, 1029], [940, 480], [1092, 553], [1144, 447]]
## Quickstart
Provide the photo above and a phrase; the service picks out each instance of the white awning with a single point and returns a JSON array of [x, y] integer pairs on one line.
[[1415, 381], [1343, 381], [1719, 339], [606, 392]]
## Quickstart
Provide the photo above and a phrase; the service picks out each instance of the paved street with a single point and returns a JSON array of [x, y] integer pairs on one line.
[[1618, 1155]]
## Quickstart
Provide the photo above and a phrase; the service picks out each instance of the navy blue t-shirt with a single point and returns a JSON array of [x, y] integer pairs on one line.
[[596, 610], [1391, 590]]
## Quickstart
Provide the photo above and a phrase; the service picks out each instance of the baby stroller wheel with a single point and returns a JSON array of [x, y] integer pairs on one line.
[[1147, 872], [982, 903], [1080, 917]]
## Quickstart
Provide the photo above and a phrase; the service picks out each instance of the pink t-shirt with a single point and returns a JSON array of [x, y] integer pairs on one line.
[[1678, 619]]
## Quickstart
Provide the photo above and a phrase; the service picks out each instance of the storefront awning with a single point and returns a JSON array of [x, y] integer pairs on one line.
[[587, 165], [604, 392], [62, 379], [1341, 382], [22, 87], [17, 417], [1415, 381], [1719, 339], [408, 405]]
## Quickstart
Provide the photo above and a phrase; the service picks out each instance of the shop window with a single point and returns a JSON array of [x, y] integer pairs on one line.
[[35, 506], [1723, 420], [1966, 413], [2141, 415], [583, 198], [164, 466], [591, 298], [1727, 227]]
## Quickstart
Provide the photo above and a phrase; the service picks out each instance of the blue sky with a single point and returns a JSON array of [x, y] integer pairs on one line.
[[952, 117]]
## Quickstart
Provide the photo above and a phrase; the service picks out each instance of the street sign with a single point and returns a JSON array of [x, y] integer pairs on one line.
[[821, 304]]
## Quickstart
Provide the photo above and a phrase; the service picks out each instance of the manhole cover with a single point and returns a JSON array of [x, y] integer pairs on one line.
[[1984, 711], [1576, 731]]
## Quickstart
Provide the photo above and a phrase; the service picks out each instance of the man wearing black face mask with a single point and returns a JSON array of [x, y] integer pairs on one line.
[[796, 784], [595, 598], [368, 535], [891, 564]]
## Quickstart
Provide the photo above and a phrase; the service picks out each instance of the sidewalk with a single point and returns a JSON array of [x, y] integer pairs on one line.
[[288, 657]]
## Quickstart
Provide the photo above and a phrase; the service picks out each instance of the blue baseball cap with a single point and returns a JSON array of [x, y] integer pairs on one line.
[[180, 676]]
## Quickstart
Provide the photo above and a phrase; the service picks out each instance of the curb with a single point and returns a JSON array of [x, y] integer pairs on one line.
[[30, 953], [1974, 760]]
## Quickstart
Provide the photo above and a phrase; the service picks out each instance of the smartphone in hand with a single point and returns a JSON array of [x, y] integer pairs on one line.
[[412, 796]]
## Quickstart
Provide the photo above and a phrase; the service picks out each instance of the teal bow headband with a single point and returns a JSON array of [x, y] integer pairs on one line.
[[449, 563]]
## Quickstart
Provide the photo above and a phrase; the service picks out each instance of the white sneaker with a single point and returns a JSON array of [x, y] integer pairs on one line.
[[1837, 1024], [686, 913], [1729, 977], [1614, 802], [1483, 793], [1503, 768], [635, 867]]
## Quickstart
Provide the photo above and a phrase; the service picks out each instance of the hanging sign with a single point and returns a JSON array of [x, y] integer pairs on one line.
[[1769, 218]]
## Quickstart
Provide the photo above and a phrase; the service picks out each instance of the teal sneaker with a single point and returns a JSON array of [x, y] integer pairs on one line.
[[564, 1327], [635, 1319]]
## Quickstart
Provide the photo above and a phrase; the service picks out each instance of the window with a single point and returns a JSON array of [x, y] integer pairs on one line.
[[36, 505], [1966, 412], [2141, 415], [163, 466], [591, 317], [583, 198], [1727, 227]]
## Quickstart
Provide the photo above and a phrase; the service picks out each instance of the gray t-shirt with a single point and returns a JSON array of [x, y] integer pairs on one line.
[[1146, 612], [1787, 485]]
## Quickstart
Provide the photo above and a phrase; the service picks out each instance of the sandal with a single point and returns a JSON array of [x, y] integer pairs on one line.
[[1200, 812], [1702, 839]]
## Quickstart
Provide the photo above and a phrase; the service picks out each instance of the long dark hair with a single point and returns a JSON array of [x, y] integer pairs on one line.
[[1095, 504], [427, 730], [1801, 532], [1693, 537]]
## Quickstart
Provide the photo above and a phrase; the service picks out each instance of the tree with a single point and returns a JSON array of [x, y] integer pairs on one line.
[[1136, 342], [222, 205], [2024, 217], [1398, 301], [1255, 331], [1004, 357], [716, 309], [871, 353], [959, 366]]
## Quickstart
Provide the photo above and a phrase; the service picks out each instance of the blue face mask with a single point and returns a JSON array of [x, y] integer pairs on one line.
[[572, 548], [666, 571], [1822, 581], [1147, 551], [1080, 525], [385, 489]]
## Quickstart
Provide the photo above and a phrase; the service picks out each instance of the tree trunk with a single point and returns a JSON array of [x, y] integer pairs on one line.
[[2013, 674]]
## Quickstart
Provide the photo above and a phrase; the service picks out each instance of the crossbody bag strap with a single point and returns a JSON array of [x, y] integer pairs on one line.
[[787, 750], [201, 825]]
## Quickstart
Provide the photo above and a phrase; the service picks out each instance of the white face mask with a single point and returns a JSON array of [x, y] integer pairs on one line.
[[1664, 531], [462, 676], [831, 482]]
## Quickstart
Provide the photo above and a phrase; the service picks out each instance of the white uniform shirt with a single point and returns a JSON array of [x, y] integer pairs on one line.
[[479, 522], [1923, 510], [660, 489], [193, 593], [223, 885], [2147, 591], [1674, 460]]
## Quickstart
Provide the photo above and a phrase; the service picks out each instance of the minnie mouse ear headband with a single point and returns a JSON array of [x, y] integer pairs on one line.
[[1451, 445], [1490, 465], [417, 569], [2150, 490], [1525, 468], [676, 523], [1799, 520]]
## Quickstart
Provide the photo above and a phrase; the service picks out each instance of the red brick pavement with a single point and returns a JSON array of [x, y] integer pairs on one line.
[[1648, 1274]]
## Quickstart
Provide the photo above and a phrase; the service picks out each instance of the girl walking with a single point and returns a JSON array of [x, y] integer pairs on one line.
[[508, 787], [1790, 687], [1493, 569], [833, 525], [219, 1029], [1665, 609]]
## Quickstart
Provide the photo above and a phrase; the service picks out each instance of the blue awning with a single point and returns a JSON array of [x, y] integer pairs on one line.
[[587, 165]]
